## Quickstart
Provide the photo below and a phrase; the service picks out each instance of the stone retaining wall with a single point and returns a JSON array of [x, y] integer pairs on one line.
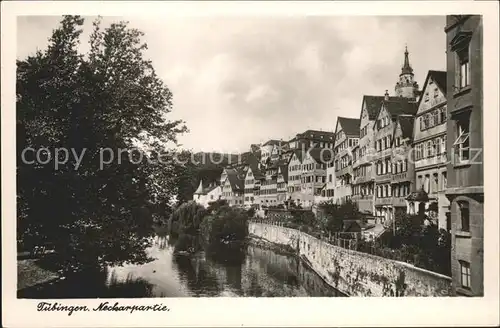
[[355, 273]]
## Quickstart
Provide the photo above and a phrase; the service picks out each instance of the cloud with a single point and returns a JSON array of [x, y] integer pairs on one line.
[[242, 80]]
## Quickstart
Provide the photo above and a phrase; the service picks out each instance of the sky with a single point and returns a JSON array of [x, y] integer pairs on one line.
[[243, 80]]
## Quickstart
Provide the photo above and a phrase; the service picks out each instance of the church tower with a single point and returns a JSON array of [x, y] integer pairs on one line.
[[406, 87]]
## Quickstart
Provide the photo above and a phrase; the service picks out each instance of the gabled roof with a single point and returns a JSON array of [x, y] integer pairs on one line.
[[439, 77], [320, 155], [204, 188], [235, 179], [406, 124], [372, 105], [298, 153], [283, 169], [350, 126], [400, 107]]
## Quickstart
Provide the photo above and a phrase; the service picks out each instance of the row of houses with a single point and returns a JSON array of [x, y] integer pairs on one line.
[[419, 150]]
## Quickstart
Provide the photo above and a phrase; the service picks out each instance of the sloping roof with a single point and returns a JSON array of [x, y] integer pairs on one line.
[[284, 171], [234, 177], [315, 134], [205, 187], [271, 142], [350, 126], [406, 124], [439, 78], [400, 106], [297, 153], [321, 155], [373, 103]]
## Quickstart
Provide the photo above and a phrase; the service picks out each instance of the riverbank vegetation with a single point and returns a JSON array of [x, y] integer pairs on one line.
[[415, 239], [193, 227], [98, 185]]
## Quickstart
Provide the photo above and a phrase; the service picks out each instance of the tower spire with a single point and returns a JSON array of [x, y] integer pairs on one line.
[[406, 69]]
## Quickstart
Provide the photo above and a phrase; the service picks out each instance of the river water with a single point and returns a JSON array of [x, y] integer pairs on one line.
[[253, 272]]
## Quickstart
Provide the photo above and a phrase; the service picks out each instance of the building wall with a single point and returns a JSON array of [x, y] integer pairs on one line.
[[249, 198], [465, 180], [294, 176], [355, 273]]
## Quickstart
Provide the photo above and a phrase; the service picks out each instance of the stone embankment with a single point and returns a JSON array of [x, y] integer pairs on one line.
[[351, 272]]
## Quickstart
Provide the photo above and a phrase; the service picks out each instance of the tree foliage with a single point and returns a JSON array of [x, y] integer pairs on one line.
[[111, 98], [332, 215], [224, 226]]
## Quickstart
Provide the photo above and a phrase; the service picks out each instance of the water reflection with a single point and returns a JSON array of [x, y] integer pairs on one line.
[[251, 271]]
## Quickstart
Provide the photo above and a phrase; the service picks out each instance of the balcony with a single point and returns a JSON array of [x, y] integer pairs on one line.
[[383, 178], [401, 177], [363, 179], [345, 171], [383, 201], [431, 161], [399, 201]]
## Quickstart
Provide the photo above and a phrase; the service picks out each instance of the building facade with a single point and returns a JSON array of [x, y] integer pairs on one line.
[[346, 137], [205, 194], [294, 177], [233, 186], [464, 145], [388, 119], [313, 176], [430, 147]]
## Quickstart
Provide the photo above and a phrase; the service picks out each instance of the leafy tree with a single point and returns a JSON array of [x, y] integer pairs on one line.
[[224, 226], [332, 215], [111, 99], [216, 205], [186, 219]]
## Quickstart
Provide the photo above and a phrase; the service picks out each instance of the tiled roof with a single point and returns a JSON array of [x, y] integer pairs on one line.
[[272, 142], [440, 78], [350, 126], [297, 153], [236, 179], [406, 123], [284, 172], [315, 134], [400, 106], [320, 155]]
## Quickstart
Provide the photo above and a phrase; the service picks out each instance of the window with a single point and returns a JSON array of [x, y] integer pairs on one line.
[[426, 96], [444, 181], [427, 183], [426, 121], [465, 274], [418, 152], [437, 145], [464, 72], [464, 215], [436, 182], [405, 165], [461, 144], [436, 92], [435, 118], [428, 149], [442, 113]]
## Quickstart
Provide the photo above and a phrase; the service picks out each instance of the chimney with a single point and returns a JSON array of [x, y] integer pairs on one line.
[[386, 96]]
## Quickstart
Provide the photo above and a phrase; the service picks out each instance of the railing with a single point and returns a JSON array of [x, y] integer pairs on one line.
[[401, 177]]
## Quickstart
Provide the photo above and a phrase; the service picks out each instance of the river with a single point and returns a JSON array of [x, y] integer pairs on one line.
[[254, 272]]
